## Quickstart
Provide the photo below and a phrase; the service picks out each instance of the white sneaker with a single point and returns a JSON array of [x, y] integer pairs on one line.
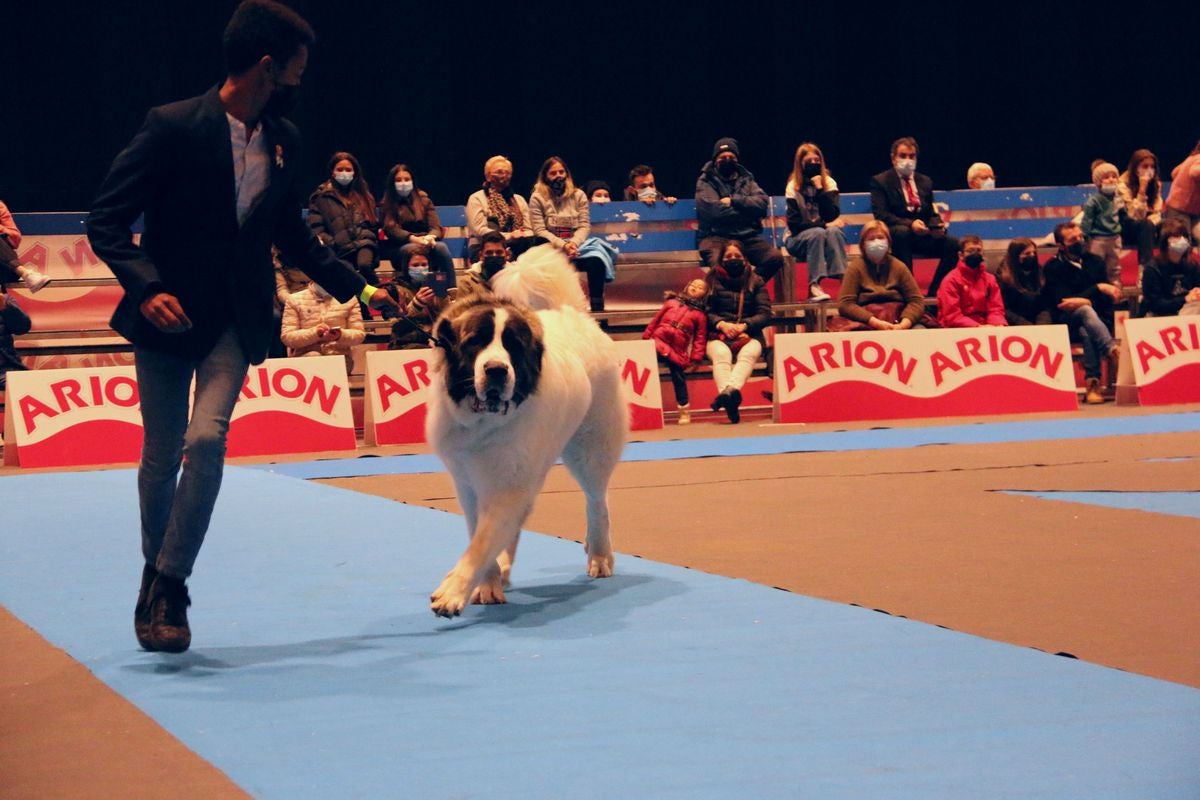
[[34, 281], [816, 293], [685, 416]]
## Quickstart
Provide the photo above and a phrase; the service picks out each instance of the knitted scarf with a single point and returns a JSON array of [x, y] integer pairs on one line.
[[506, 212]]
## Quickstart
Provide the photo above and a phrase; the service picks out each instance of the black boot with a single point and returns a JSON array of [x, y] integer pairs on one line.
[[597, 303], [141, 612], [732, 406], [169, 601], [720, 401]]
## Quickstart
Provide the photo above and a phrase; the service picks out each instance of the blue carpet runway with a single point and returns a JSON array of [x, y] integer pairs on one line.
[[318, 671]]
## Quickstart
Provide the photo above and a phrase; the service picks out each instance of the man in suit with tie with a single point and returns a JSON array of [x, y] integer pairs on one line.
[[214, 178], [903, 199]]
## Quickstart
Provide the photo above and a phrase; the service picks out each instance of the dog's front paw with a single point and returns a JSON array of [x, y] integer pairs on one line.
[[449, 599], [490, 592], [600, 566]]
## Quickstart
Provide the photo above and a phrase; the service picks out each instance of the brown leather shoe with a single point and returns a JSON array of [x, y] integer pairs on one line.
[[141, 612], [169, 631]]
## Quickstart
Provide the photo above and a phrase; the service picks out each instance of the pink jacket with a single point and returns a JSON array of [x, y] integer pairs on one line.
[[679, 331], [8, 227], [969, 298]]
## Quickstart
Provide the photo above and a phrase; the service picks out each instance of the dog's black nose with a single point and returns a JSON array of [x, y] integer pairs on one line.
[[496, 371]]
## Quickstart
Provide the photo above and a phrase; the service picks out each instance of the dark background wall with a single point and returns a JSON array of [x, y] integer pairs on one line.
[[1037, 90]]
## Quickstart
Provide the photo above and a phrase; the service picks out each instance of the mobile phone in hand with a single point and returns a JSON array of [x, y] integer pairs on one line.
[[439, 282]]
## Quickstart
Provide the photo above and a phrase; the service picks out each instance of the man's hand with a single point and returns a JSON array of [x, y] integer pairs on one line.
[[1072, 303], [670, 200], [1191, 297], [381, 299], [1109, 289], [726, 201], [165, 313], [919, 227]]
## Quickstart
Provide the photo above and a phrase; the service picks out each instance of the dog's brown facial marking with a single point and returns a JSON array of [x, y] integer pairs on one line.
[[493, 353]]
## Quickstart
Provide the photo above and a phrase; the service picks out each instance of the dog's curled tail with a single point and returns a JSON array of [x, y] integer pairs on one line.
[[541, 278]]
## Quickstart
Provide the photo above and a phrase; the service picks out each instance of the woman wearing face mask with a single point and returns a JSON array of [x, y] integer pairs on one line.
[[496, 207], [560, 214], [420, 303], [738, 310], [878, 291], [813, 219], [1171, 282], [1141, 194], [341, 212], [410, 221], [1021, 283]]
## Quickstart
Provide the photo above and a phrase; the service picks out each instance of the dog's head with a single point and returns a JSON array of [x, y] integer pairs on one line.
[[493, 353]]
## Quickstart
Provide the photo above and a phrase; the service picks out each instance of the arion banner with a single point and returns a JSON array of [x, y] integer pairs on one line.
[[639, 377], [293, 405], [1164, 353], [397, 395], [878, 375]]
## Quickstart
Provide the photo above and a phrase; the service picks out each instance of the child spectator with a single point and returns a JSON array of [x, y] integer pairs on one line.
[[643, 187], [1101, 223], [598, 192], [411, 223], [738, 310], [969, 297], [1021, 283], [1171, 282], [813, 219], [11, 268], [422, 304], [315, 323], [679, 331], [13, 322]]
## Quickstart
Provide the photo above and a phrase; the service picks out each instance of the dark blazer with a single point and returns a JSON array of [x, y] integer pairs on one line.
[[178, 172], [889, 204]]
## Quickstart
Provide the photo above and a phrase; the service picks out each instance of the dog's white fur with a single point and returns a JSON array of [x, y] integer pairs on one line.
[[499, 461]]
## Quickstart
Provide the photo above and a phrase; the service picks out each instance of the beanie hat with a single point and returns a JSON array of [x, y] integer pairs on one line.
[[592, 186], [1098, 167], [726, 145]]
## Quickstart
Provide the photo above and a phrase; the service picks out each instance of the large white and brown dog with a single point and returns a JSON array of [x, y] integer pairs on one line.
[[525, 377]]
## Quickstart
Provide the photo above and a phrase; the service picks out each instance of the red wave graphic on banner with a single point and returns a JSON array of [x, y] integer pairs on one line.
[[93, 308], [993, 394], [276, 432], [99, 441], [644, 418], [1181, 385], [408, 428]]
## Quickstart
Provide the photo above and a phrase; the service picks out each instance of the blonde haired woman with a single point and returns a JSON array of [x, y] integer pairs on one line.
[[560, 215], [813, 218], [495, 207]]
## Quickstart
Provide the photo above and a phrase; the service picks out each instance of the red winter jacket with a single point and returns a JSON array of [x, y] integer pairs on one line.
[[679, 331]]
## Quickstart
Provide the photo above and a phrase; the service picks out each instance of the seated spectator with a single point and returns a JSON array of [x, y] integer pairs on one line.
[[878, 291], [814, 219], [1140, 190], [288, 281], [341, 212], [643, 187], [11, 268], [981, 176], [495, 207], [730, 206], [680, 331], [410, 221], [1021, 283], [738, 310], [493, 256], [315, 323], [1100, 222], [13, 322], [903, 198], [1079, 296], [1171, 281], [1183, 201], [560, 215], [969, 297], [421, 302], [597, 192]]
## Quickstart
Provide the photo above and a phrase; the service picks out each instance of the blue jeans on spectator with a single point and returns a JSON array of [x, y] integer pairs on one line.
[[175, 514], [439, 258], [823, 248], [1097, 341]]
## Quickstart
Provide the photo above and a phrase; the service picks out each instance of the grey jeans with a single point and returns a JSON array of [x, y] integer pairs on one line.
[[175, 507]]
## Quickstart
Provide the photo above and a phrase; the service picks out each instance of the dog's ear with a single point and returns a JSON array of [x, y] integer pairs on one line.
[[444, 335]]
